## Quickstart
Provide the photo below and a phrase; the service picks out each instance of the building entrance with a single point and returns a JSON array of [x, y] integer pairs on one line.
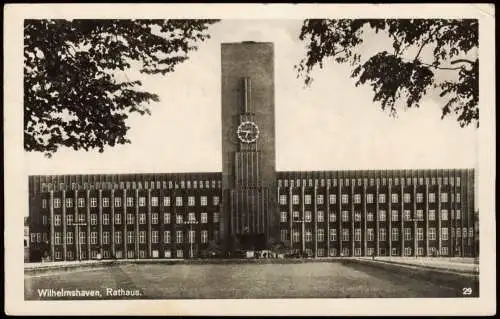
[[251, 241]]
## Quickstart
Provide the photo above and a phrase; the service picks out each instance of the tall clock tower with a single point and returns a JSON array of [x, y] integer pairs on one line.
[[248, 144]]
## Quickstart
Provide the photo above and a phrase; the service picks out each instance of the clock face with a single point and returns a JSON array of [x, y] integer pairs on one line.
[[248, 132]]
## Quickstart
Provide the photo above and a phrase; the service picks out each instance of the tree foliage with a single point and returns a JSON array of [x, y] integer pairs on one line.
[[407, 72], [72, 94]]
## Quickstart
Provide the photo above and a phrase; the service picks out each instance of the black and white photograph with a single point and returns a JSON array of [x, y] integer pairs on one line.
[[339, 155]]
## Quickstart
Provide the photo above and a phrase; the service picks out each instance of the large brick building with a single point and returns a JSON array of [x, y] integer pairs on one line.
[[317, 213]]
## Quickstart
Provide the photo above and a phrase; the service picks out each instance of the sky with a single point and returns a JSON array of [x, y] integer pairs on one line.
[[331, 125]]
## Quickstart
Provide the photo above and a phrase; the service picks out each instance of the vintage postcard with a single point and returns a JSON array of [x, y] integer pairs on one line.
[[279, 159]]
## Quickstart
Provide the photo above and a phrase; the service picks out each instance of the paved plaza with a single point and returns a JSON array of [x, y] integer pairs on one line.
[[334, 279]]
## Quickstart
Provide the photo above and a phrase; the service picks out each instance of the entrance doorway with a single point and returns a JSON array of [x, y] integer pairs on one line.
[[252, 241]]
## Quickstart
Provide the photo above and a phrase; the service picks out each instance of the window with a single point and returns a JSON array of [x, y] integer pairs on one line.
[[167, 239], [178, 201], [369, 216], [296, 215], [93, 202], [357, 198], [191, 201], [432, 198], [321, 235], [93, 238], [203, 201], [118, 219], [333, 199], [179, 219], [345, 251], [444, 214], [458, 181], [333, 217], [81, 202], [180, 253], [130, 219], [394, 215], [321, 216], [216, 200], [407, 197], [118, 202], [444, 197], [191, 217], [357, 216], [459, 232], [154, 218], [142, 237], [444, 233], [408, 251], [166, 218], [333, 235], [432, 233], [57, 238], [154, 201], [369, 251], [471, 232], [370, 234], [420, 214], [204, 218], [282, 199], [179, 236], [296, 237], [82, 237], [69, 202], [105, 237], [204, 236], [395, 234], [345, 216], [432, 214], [458, 214], [93, 219], [307, 215], [382, 215], [69, 238], [284, 234], [130, 254], [216, 217], [444, 251], [394, 198], [407, 233], [307, 199], [44, 203], [369, 198], [142, 201], [105, 202], [381, 198], [57, 220], [130, 201], [142, 218], [166, 201], [357, 234], [345, 234], [382, 234], [345, 198], [57, 202], [118, 237], [308, 236], [420, 198], [283, 217], [320, 199], [407, 213], [295, 199], [81, 218], [130, 237]]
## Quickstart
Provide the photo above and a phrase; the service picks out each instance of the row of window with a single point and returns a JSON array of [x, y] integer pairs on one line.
[[407, 197], [179, 201], [370, 234], [136, 185], [70, 255], [345, 215], [191, 218], [346, 251], [155, 237], [371, 181]]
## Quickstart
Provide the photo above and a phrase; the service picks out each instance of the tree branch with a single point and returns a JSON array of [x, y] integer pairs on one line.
[[441, 67], [462, 61]]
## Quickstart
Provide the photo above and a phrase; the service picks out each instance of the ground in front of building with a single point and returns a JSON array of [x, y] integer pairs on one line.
[[333, 279]]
